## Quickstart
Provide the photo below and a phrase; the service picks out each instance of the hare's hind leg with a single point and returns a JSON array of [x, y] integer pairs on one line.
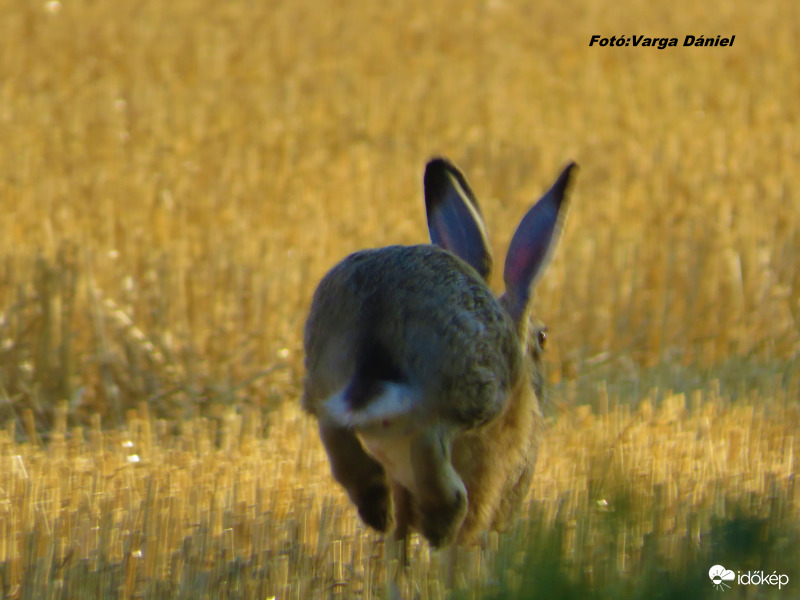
[[441, 496], [360, 474]]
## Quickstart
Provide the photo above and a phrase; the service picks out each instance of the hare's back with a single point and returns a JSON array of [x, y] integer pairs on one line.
[[415, 315]]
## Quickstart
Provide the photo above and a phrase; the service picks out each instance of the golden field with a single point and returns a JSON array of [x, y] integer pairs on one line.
[[176, 177]]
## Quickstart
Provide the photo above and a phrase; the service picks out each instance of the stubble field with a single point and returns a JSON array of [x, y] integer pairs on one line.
[[176, 177]]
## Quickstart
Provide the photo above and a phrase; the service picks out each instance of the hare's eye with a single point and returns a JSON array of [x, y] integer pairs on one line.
[[541, 337]]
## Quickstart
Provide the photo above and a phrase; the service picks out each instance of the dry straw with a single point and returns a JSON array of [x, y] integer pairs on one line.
[[145, 508], [175, 178]]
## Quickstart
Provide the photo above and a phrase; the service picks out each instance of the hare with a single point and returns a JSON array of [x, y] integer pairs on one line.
[[424, 384]]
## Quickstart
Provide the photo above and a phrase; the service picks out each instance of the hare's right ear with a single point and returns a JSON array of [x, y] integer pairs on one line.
[[532, 245], [454, 217]]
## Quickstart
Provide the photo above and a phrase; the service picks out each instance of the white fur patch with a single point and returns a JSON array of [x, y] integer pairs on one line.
[[394, 453], [389, 414]]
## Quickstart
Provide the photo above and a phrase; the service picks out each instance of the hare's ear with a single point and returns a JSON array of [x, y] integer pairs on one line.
[[454, 217], [532, 245]]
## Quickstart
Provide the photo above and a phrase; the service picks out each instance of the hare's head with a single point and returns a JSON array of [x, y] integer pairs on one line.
[[455, 223]]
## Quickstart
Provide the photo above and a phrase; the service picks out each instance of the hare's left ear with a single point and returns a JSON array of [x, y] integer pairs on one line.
[[532, 245], [454, 217]]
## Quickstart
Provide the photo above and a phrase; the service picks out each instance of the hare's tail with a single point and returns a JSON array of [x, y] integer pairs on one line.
[[388, 408], [378, 396]]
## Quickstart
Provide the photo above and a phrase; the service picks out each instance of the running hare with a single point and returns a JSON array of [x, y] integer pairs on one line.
[[423, 382]]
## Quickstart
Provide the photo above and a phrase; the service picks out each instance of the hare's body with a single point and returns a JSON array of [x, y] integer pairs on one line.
[[383, 320], [424, 382], [395, 365]]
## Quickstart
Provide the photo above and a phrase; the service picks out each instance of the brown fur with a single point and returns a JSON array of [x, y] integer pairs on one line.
[[496, 463]]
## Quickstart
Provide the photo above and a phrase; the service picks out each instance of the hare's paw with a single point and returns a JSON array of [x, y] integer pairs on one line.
[[440, 524], [374, 503], [439, 492]]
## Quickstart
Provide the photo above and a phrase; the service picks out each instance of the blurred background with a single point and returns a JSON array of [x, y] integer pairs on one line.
[[176, 177]]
